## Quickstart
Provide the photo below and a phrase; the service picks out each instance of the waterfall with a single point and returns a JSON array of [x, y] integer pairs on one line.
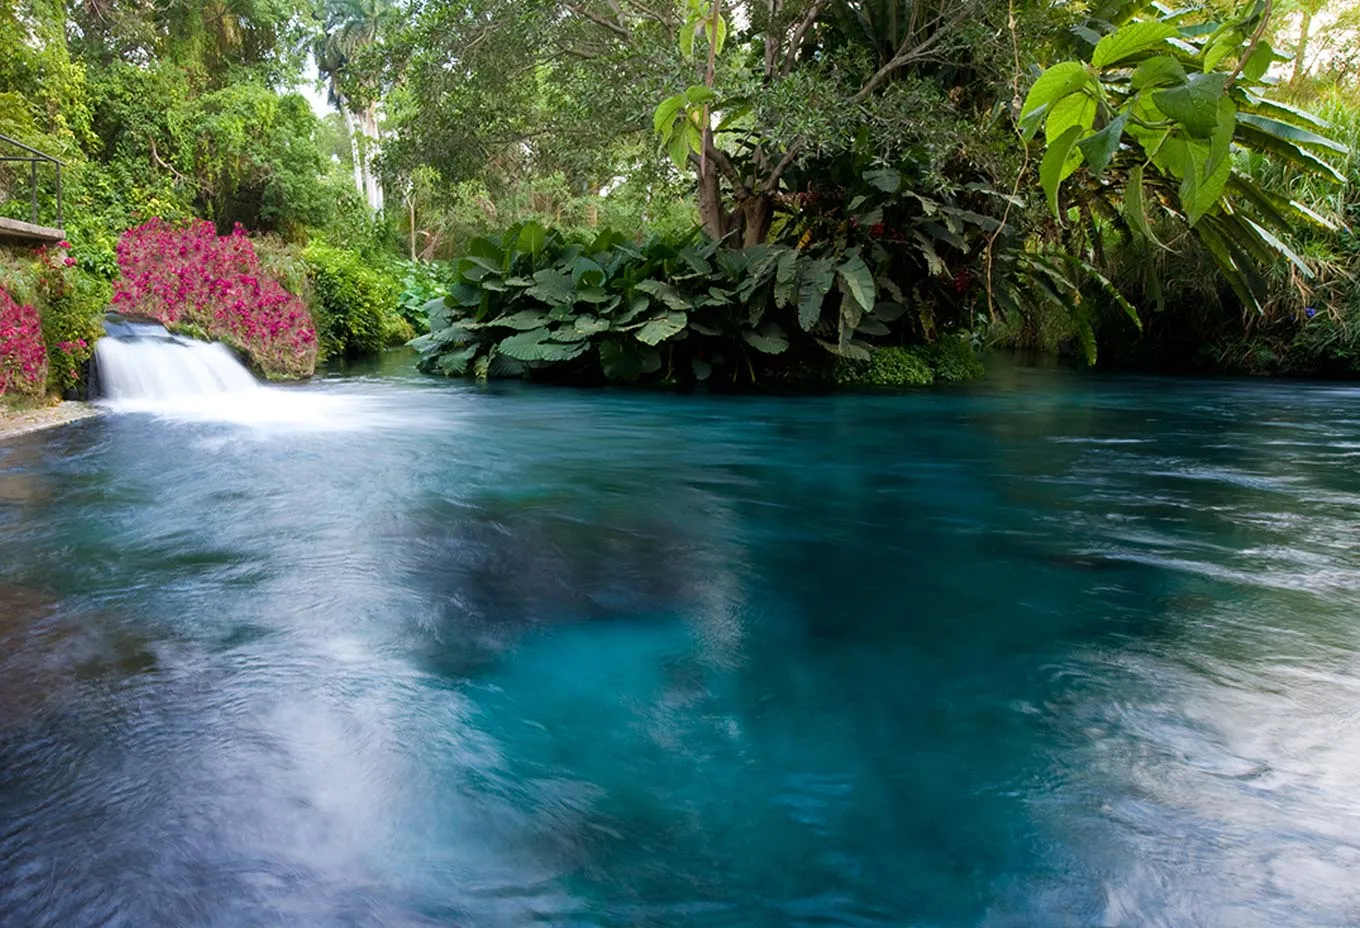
[[139, 367], [142, 362]]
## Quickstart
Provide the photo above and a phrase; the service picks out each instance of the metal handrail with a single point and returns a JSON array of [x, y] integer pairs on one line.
[[33, 159]]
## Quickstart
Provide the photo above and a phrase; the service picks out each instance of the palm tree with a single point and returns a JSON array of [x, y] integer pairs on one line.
[[349, 27]]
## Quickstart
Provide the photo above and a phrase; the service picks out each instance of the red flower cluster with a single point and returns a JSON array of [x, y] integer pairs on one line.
[[23, 359], [191, 274]]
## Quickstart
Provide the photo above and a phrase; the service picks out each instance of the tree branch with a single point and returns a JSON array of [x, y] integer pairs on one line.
[[601, 21], [809, 18], [906, 56], [772, 182]]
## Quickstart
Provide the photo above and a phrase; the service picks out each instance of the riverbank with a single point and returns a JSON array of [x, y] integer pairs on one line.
[[19, 419]]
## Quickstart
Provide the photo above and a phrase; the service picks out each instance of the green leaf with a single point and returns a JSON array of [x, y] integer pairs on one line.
[[1078, 109], [661, 328], [889, 180], [522, 346], [489, 251], [1258, 62], [1099, 148], [663, 119], [1134, 211], [620, 360], [590, 325], [858, 281], [524, 320], [786, 278], [1162, 71], [770, 339], [1276, 243], [1194, 104], [1283, 130], [586, 273], [532, 238], [701, 369], [1251, 137], [1054, 84], [815, 278], [1223, 45], [553, 287], [1059, 162], [1131, 40], [664, 292]]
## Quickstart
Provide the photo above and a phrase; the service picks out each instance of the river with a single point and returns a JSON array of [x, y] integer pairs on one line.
[[1052, 650]]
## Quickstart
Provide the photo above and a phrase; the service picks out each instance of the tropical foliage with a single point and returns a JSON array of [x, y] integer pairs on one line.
[[1154, 116]]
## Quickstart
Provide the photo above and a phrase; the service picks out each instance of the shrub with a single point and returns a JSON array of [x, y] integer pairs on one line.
[[23, 359], [190, 274], [355, 305], [72, 302], [886, 367]]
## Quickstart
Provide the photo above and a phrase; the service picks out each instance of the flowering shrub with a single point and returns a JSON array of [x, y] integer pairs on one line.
[[71, 302], [23, 360], [190, 277]]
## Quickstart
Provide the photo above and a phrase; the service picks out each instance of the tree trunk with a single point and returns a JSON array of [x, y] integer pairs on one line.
[[756, 213], [711, 213], [355, 154], [411, 214], [373, 189], [1305, 26]]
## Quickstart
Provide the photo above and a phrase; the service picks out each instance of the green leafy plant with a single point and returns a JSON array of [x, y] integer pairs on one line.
[[355, 305], [530, 301], [1151, 119]]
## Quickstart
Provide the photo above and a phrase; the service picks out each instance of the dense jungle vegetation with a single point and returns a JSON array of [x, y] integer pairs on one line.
[[766, 191]]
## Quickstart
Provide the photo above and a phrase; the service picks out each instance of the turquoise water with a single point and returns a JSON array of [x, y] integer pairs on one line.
[[1056, 650]]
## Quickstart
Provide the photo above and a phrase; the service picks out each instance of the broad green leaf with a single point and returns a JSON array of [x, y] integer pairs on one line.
[[785, 278], [590, 325], [663, 120], [698, 94], [661, 328], [553, 287], [1056, 83], [701, 369], [532, 238], [1131, 40], [1258, 62], [1078, 109], [524, 320], [664, 292], [586, 273], [1099, 148], [1194, 104], [522, 346], [770, 339], [1162, 71], [858, 281], [1283, 130], [482, 247], [1062, 158], [815, 278], [889, 180], [1225, 44]]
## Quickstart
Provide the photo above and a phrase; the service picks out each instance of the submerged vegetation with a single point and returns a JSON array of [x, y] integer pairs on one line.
[[698, 191]]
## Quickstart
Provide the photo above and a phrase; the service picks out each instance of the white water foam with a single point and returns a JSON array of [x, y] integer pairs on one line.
[[154, 372]]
